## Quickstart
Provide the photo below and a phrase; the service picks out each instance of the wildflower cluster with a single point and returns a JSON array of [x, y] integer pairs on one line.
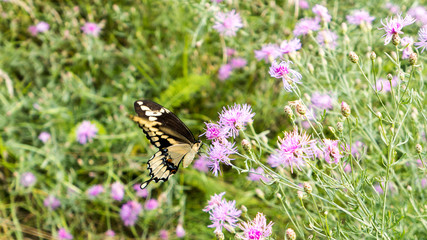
[[223, 213]]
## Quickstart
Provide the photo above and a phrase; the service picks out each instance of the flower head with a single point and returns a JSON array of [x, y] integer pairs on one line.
[[164, 234], [322, 101], [215, 200], [151, 204], [233, 119], [258, 174], [201, 164], [238, 62], [294, 149], [291, 46], [407, 42], [321, 12], [219, 152], [224, 72], [64, 235], [289, 76], [394, 26], [27, 179], [51, 202], [327, 39], [42, 27], [129, 212], [180, 231], [360, 16], [419, 13], [383, 85], [95, 190], [117, 191], [268, 53], [305, 26], [110, 233], [86, 131], [91, 28], [257, 229], [227, 24], [222, 213], [303, 4], [140, 192], [331, 151], [422, 39], [32, 30], [44, 137]]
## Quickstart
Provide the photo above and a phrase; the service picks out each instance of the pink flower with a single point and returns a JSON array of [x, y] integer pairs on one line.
[[288, 75], [407, 42], [32, 30], [230, 51], [117, 191], [91, 28], [64, 235], [357, 149], [290, 47], [393, 8], [202, 164], [235, 118], [360, 16], [164, 234], [140, 192], [27, 179], [303, 4], [322, 101], [224, 72], [42, 27], [258, 174], [44, 137], [422, 39], [214, 131], [227, 24], [86, 131], [238, 63], [219, 152], [419, 13], [110, 233], [151, 204], [51, 202], [257, 229], [305, 26], [268, 53], [223, 213], [180, 231], [215, 200], [294, 149], [394, 26], [95, 190], [327, 39], [321, 12], [331, 151], [423, 182], [383, 85], [347, 167], [129, 212]]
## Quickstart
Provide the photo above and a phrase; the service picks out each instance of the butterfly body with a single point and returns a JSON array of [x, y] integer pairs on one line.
[[170, 135]]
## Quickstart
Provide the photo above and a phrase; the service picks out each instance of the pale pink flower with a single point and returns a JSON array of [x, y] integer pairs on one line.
[[360, 16], [331, 151], [238, 62], [64, 234], [44, 137], [180, 231], [117, 191], [305, 26], [235, 118], [407, 42], [257, 174], [227, 24], [283, 71], [224, 72], [422, 39], [327, 39], [321, 12], [268, 53], [42, 27], [91, 28], [257, 229], [287, 47], [394, 25]]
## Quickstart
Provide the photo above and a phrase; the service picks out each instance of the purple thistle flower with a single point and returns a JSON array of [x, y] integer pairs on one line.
[[95, 190], [379, 188], [42, 27], [383, 85], [140, 192], [110, 233], [322, 101], [91, 28], [288, 75], [321, 12], [347, 167], [305, 26], [422, 39], [290, 47], [407, 42], [180, 231], [256, 229], [32, 30], [64, 235], [230, 51], [51, 202], [151, 204], [44, 137], [357, 149], [222, 214], [419, 13], [235, 118], [27, 179], [360, 16], [294, 149], [86, 131], [393, 8], [224, 72], [258, 174], [129, 212], [327, 39], [394, 26], [215, 200], [214, 131], [201, 164], [268, 53], [164, 234], [227, 24], [117, 191], [303, 4], [220, 152], [238, 62], [423, 182], [331, 151]]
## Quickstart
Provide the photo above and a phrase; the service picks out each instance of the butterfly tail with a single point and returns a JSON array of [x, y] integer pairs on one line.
[[145, 184]]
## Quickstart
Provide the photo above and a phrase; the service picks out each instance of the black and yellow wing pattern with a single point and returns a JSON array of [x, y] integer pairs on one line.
[[170, 135]]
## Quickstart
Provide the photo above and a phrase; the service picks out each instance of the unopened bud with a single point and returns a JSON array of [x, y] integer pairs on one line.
[[310, 68], [244, 208], [340, 126], [301, 109], [300, 194], [259, 193], [290, 234], [389, 77], [353, 57], [344, 27], [321, 52], [409, 188], [419, 148], [307, 188], [393, 55], [413, 57], [395, 39], [289, 112], [345, 109], [219, 235], [246, 145], [373, 55]]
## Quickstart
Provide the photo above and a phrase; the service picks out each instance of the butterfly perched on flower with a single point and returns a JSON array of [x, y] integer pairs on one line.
[[170, 135]]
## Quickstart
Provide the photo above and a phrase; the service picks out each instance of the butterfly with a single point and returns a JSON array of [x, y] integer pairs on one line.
[[170, 135]]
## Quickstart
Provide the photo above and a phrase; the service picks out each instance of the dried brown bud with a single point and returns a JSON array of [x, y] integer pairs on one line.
[[413, 57], [290, 234]]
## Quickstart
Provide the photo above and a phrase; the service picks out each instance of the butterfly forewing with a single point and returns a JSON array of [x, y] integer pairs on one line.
[[169, 134]]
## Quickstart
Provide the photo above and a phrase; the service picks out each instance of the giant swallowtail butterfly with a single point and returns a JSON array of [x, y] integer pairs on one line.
[[170, 135]]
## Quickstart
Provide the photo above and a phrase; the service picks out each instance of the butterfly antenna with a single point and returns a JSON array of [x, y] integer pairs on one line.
[[145, 184]]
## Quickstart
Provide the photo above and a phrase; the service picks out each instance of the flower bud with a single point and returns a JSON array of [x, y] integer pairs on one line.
[[259, 193], [395, 39], [345, 109], [290, 234], [310, 68], [379, 115], [419, 148], [389, 77], [307, 188], [219, 235], [300, 194], [353, 57], [244, 208], [340, 126], [301, 109], [344, 27], [413, 57], [373, 55], [246, 145], [409, 188], [289, 112]]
